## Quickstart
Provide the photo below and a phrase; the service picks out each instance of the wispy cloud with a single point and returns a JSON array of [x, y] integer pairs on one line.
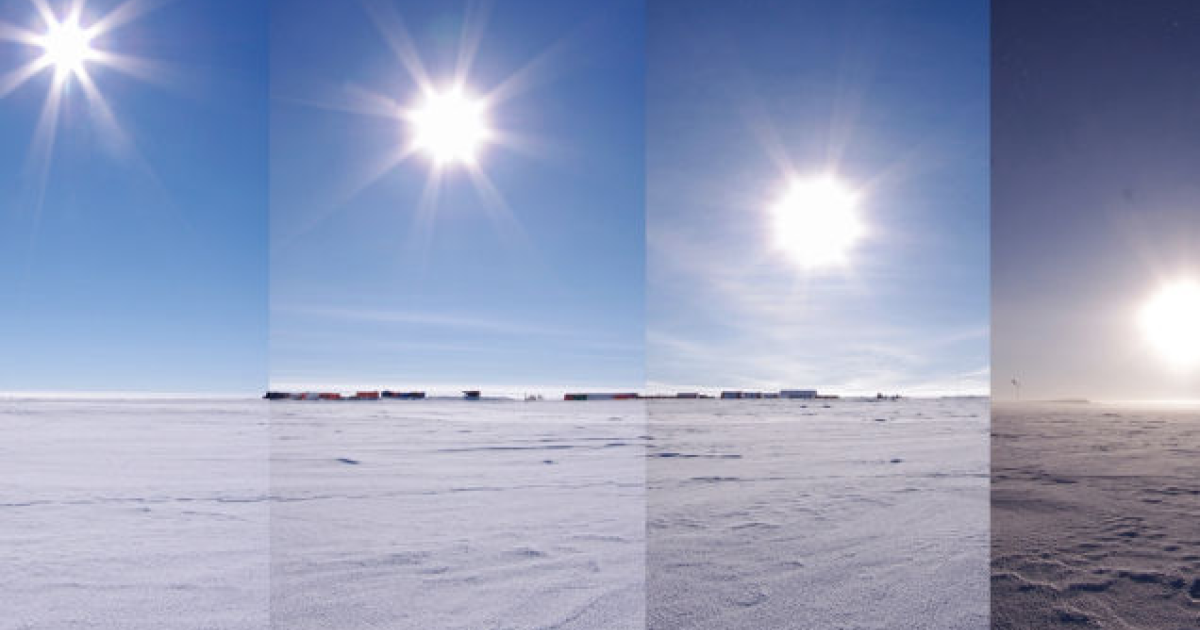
[[426, 319], [745, 322]]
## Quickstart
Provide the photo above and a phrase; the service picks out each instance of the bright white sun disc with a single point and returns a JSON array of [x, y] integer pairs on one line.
[[817, 223], [67, 46], [450, 126], [1170, 322]]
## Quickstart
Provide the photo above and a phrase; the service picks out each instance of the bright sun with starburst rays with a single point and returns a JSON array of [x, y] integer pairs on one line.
[[450, 126], [816, 222], [1170, 322], [67, 47], [65, 44], [446, 120]]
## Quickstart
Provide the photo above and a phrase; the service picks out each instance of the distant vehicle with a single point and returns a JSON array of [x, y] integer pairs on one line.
[[404, 395], [471, 394], [602, 396]]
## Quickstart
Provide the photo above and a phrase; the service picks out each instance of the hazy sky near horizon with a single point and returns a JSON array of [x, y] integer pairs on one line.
[[891, 96], [532, 279], [1096, 192], [143, 265]]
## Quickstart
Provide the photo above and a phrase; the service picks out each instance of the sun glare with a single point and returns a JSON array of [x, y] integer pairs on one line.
[[817, 223], [67, 46], [450, 127], [1171, 323], [445, 119]]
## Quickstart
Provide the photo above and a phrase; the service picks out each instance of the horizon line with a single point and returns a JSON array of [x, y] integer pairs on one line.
[[505, 394]]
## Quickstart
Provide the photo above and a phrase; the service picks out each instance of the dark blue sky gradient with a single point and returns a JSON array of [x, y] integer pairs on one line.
[[1095, 190]]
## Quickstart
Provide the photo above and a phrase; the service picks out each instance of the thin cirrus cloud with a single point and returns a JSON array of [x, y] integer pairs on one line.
[[318, 347], [424, 318], [726, 312], [890, 105], [512, 267]]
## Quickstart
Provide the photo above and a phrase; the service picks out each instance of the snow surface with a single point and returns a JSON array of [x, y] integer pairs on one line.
[[456, 515], [133, 514], [787, 514], [493, 515], [1096, 516]]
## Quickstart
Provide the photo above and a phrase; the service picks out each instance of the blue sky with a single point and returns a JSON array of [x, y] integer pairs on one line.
[[536, 285], [143, 268], [891, 96], [1097, 143], [590, 251]]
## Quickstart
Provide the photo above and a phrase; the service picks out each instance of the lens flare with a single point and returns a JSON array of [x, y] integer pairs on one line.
[[64, 47], [67, 47], [817, 222], [450, 127], [1170, 322]]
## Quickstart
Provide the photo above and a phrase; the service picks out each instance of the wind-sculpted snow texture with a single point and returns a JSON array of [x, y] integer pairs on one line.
[[1096, 516], [772, 515], [496, 515], [458, 515], [133, 515]]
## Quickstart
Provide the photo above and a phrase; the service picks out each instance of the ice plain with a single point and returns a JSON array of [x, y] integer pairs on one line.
[[134, 514], [458, 515], [1096, 516], [779, 514], [494, 515]]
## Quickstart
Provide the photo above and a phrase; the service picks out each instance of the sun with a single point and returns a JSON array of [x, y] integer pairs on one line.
[[63, 46], [816, 222], [66, 47], [1170, 321], [450, 126]]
